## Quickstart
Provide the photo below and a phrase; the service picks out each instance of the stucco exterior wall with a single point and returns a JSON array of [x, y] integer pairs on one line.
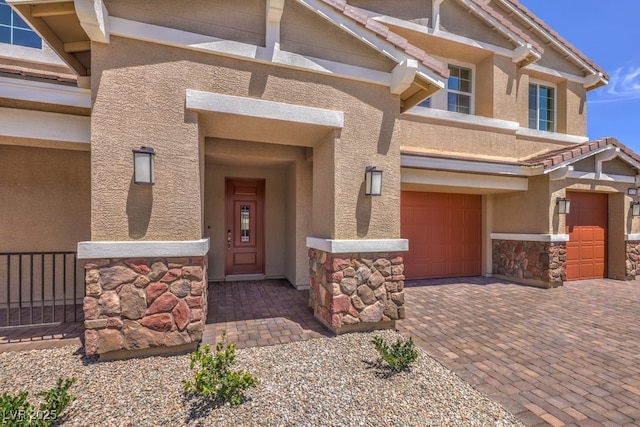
[[232, 20], [456, 19], [523, 212], [572, 108], [44, 199], [418, 11], [302, 32], [496, 88]]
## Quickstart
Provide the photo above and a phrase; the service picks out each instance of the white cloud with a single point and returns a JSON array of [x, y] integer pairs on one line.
[[624, 85]]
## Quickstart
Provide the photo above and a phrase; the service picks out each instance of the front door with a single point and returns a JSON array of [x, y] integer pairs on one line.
[[244, 224]]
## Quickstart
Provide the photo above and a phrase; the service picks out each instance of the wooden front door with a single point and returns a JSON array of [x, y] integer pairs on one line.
[[244, 224], [587, 230]]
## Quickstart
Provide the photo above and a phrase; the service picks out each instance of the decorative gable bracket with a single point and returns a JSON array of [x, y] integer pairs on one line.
[[93, 16]]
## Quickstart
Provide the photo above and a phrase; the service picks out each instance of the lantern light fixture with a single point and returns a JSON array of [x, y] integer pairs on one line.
[[372, 181], [635, 209], [143, 169], [632, 191], [564, 205]]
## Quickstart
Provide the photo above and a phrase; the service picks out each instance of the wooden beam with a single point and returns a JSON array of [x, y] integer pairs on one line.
[[52, 9], [81, 46]]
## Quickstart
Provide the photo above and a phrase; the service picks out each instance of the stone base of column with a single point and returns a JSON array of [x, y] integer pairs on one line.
[[353, 292], [144, 306], [633, 259], [541, 264]]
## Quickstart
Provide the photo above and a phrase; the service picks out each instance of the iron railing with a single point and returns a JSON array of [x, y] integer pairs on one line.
[[38, 288]]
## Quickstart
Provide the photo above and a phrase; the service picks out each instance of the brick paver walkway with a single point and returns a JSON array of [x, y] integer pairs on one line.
[[260, 313], [564, 356]]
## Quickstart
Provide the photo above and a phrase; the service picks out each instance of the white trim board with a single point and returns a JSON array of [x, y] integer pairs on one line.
[[143, 249], [41, 125], [358, 246], [48, 93], [258, 108], [632, 237], [530, 237], [423, 161]]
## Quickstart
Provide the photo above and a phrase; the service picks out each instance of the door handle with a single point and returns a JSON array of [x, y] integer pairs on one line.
[[228, 239]]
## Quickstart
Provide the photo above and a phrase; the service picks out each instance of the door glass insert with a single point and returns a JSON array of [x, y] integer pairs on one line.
[[244, 223]]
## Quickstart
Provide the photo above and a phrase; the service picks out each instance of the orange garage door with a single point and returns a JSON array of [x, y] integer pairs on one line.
[[444, 232], [587, 229]]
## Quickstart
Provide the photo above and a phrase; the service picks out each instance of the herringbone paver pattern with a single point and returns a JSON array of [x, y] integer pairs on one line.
[[564, 356]]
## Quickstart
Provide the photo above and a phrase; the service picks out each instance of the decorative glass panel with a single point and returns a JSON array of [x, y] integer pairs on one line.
[[244, 223]]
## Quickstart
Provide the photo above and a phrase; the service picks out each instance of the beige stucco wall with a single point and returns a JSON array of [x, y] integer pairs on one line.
[[456, 19], [497, 88], [287, 175], [44, 199], [412, 10], [302, 32], [232, 20], [523, 212]]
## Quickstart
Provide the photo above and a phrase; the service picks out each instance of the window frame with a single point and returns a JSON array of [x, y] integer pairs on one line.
[[439, 100], [13, 28], [541, 83]]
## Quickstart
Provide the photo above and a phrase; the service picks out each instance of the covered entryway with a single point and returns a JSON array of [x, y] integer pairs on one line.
[[244, 219], [444, 232], [587, 230]]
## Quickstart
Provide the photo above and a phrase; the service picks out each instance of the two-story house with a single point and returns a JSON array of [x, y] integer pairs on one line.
[[344, 146]]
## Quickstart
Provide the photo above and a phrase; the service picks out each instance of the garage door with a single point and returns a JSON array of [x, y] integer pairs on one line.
[[444, 232], [587, 229]]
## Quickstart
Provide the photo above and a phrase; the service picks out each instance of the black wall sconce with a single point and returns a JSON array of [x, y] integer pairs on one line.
[[372, 181], [564, 205], [635, 209], [143, 172]]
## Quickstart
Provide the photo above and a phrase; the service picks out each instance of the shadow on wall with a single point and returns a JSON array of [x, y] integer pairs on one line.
[[363, 212], [139, 205]]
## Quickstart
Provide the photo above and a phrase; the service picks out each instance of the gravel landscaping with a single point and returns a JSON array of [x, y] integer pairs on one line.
[[320, 382]]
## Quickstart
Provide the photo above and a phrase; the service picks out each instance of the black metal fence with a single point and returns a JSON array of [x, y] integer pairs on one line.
[[39, 288]]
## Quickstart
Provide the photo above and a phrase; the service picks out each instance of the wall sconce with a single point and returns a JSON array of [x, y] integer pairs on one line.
[[635, 208], [143, 173], [633, 191], [564, 205], [372, 181]]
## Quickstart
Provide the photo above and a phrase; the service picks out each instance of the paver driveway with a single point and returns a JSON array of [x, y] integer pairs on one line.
[[564, 356]]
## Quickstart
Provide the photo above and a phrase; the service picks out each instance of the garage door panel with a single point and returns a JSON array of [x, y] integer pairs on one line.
[[587, 228], [445, 239]]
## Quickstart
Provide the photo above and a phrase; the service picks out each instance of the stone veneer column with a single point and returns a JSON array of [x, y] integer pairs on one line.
[[356, 291], [144, 297], [536, 263], [632, 259]]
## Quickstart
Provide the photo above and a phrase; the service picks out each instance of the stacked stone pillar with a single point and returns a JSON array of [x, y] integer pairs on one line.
[[632, 261], [152, 305], [536, 263], [357, 291]]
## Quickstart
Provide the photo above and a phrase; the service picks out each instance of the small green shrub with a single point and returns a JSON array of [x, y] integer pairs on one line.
[[398, 356], [213, 376], [16, 410]]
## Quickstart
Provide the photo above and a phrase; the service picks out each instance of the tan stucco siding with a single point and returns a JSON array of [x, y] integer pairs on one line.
[[618, 167], [44, 199], [572, 108], [304, 32], [457, 19], [524, 212], [140, 99], [496, 88], [418, 11], [242, 21]]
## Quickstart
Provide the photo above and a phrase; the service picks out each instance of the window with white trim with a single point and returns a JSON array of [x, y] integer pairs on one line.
[[13, 30], [458, 96], [542, 107]]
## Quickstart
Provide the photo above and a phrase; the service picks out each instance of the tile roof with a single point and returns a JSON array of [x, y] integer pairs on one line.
[[561, 39], [383, 32], [564, 154]]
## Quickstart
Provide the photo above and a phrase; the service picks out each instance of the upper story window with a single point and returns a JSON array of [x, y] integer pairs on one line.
[[542, 109], [13, 30], [459, 93], [459, 89]]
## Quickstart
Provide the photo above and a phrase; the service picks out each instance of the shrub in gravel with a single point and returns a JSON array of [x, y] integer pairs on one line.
[[213, 376], [398, 356], [16, 410]]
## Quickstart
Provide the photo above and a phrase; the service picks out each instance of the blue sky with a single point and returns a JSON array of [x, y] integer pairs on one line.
[[609, 33]]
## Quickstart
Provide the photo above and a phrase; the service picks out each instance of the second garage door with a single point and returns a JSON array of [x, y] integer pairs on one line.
[[444, 232], [587, 229]]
